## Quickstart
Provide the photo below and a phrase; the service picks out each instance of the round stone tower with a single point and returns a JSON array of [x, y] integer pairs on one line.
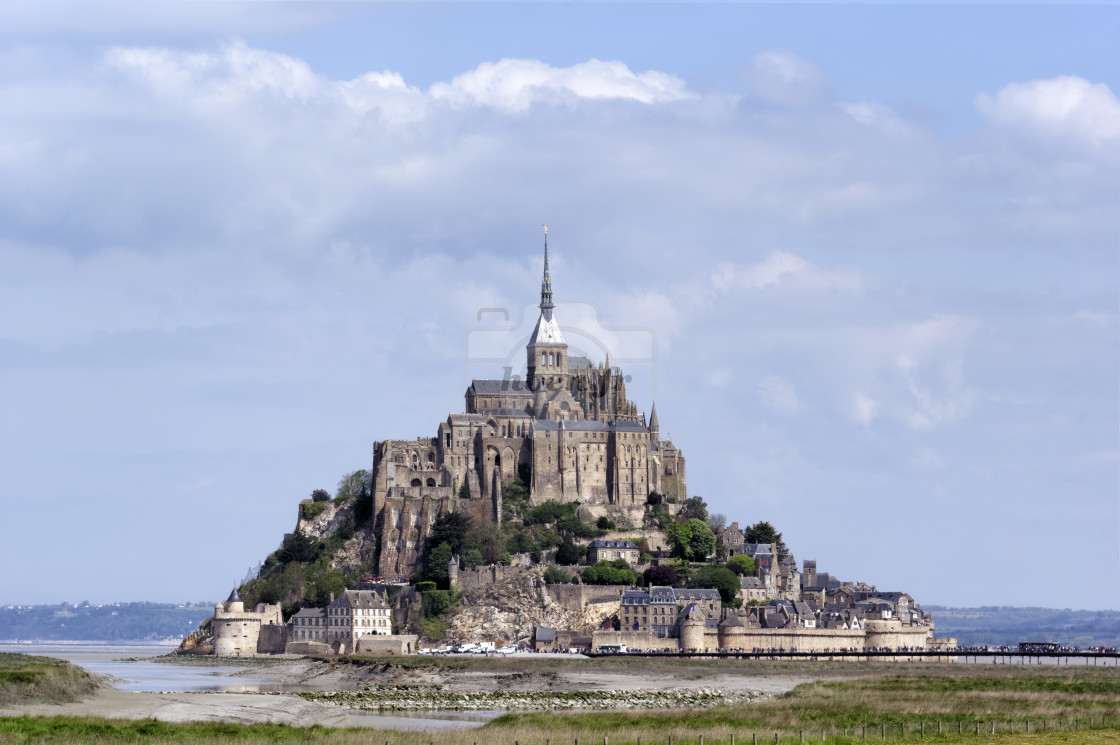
[[732, 632], [692, 631]]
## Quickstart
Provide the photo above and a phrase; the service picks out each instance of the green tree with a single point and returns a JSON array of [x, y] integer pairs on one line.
[[605, 573], [570, 553], [694, 508], [653, 498], [692, 539], [741, 564], [703, 542], [719, 578], [435, 602], [297, 547], [438, 558], [764, 532], [555, 576], [352, 485], [471, 558], [450, 528], [320, 495]]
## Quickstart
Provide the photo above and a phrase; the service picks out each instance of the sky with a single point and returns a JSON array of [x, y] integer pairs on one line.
[[865, 258]]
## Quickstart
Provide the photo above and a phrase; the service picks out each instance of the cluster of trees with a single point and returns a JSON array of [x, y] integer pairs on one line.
[[616, 572], [551, 525], [299, 574]]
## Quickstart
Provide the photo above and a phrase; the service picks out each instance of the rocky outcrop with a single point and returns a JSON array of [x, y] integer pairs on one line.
[[510, 611]]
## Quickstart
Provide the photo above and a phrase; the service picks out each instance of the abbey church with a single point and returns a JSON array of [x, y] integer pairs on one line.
[[567, 429]]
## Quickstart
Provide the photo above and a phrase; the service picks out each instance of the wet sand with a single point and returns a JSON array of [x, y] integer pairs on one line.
[[288, 675]]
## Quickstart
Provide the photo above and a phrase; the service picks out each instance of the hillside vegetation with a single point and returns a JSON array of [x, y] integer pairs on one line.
[[28, 679]]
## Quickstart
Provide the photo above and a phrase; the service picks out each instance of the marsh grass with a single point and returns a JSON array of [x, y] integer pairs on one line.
[[968, 696], [92, 731], [854, 708], [26, 678]]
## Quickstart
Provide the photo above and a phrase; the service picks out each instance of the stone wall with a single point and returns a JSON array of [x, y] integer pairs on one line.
[[405, 524], [789, 640], [487, 576], [575, 598], [640, 640], [894, 635], [318, 649], [397, 644], [273, 638]]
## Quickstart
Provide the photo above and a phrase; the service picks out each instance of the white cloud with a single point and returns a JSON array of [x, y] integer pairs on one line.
[[785, 77], [864, 409], [877, 116], [927, 459], [779, 395], [785, 269], [516, 84], [1067, 107]]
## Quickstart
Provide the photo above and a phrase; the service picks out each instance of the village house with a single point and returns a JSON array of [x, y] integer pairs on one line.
[[600, 550]]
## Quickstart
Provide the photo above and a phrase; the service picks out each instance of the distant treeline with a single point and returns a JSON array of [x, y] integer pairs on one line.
[[111, 623], [1005, 625]]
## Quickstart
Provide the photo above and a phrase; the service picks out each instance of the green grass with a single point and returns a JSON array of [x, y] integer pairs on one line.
[[28, 679], [960, 693], [883, 703]]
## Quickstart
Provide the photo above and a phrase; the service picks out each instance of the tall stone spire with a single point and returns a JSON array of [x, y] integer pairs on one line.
[[653, 428], [546, 283]]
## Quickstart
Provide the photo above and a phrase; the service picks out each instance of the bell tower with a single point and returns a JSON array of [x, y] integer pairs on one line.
[[547, 353]]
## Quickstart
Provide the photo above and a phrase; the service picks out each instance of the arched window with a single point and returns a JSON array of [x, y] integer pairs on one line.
[[431, 482], [416, 482], [544, 358]]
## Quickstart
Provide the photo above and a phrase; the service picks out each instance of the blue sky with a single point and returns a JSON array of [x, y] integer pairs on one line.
[[863, 256]]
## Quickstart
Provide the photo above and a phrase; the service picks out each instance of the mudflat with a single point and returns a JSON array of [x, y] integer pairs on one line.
[[284, 677]]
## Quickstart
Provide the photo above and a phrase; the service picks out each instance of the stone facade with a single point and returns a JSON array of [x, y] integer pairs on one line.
[[605, 550], [356, 614], [568, 427], [237, 632], [310, 625], [696, 635]]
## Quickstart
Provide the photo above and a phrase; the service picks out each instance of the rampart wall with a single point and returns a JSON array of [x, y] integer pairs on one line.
[[575, 598], [789, 640], [397, 644]]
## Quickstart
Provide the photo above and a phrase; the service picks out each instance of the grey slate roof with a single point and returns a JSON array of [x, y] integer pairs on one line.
[[635, 597], [503, 387], [234, 597], [359, 599], [545, 634], [599, 543]]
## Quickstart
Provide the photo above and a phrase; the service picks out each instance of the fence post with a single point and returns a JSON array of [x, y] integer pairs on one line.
[[883, 732], [800, 732], [754, 738], [993, 726]]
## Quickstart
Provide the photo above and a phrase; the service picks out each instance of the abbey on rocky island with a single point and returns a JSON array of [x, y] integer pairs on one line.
[[567, 430]]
